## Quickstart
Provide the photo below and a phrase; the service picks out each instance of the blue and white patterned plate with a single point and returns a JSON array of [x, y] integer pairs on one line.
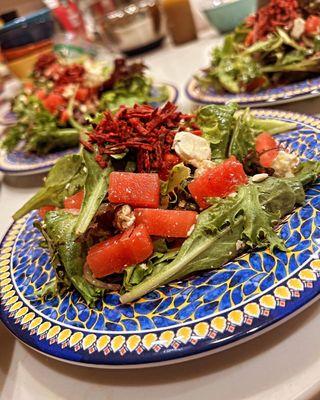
[[269, 97], [18, 162], [21, 163], [184, 319]]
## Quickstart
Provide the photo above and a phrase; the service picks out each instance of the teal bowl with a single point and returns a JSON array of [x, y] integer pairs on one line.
[[226, 16]]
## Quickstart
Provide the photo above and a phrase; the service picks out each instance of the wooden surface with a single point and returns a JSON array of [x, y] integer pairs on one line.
[[22, 6]]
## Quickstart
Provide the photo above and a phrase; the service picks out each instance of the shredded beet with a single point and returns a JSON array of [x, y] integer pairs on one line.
[[49, 66], [278, 13], [147, 131], [71, 74], [44, 61]]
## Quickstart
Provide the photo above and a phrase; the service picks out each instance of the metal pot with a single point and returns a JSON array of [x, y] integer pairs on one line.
[[136, 27]]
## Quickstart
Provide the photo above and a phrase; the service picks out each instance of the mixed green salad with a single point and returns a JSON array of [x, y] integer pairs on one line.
[[156, 195], [278, 45], [55, 105]]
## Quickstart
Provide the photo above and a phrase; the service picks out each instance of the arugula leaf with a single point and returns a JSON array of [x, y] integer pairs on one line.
[[61, 281], [60, 227], [95, 190], [258, 224], [228, 47], [65, 178], [274, 42], [226, 50], [160, 246], [249, 217], [280, 195]]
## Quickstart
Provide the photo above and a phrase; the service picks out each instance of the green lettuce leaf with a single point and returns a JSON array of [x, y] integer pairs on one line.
[[65, 178], [259, 222], [272, 126], [217, 124], [266, 46], [307, 172], [95, 190], [37, 128], [131, 91], [289, 41], [247, 128], [45, 142], [178, 175], [231, 68], [292, 57], [134, 275], [243, 136], [311, 64], [232, 132], [60, 226], [234, 66], [235, 72]]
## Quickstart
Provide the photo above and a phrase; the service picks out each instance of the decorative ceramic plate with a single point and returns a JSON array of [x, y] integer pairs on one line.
[[188, 318], [19, 162], [269, 97]]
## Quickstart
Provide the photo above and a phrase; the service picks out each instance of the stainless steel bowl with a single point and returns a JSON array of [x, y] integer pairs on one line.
[[136, 27]]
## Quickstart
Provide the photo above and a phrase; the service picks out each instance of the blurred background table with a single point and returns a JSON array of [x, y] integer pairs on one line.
[[281, 364]]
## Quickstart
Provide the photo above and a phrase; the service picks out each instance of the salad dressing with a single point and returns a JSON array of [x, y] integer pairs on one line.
[[180, 22]]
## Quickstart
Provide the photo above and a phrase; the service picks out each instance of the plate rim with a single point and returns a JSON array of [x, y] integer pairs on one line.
[[204, 344], [304, 94], [173, 361]]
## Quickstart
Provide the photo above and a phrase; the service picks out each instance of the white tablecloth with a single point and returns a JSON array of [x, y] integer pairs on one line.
[[281, 364]]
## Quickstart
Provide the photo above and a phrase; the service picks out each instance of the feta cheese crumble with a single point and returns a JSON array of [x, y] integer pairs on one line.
[[298, 28], [284, 164], [202, 166], [191, 148]]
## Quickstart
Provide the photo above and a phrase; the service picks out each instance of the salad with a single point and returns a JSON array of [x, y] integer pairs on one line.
[[54, 107], [155, 195], [278, 45]]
